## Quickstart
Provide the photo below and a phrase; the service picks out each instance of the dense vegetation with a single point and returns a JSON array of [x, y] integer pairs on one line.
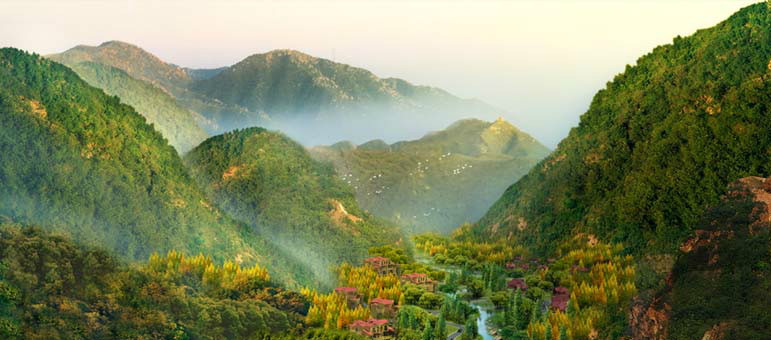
[[657, 145], [78, 161], [439, 181], [598, 284], [723, 281], [52, 288], [269, 181], [177, 124]]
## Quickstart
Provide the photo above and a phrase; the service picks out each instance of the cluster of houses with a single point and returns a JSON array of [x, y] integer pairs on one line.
[[383, 311]]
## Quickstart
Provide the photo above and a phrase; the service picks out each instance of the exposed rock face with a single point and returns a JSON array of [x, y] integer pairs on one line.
[[726, 250], [649, 321]]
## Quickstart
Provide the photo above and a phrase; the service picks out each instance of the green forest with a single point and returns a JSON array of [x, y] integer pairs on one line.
[[656, 147], [179, 125], [52, 288], [270, 182]]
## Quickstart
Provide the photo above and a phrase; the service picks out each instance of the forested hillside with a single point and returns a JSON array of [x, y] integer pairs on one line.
[[657, 146], [78, 161], [53, 288], [136, 62], [179, 125], [270, 182], [438, 182]]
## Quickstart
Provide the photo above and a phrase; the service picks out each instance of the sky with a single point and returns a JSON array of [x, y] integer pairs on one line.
[[541, 61]]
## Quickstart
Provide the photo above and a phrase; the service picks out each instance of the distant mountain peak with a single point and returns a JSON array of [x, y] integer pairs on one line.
[[133, 60]]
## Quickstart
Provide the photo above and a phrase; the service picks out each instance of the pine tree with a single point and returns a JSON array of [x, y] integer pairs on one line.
[[428, 332], [414, 324], [470, 331], [547, 335], [563, 333], [440, 332]]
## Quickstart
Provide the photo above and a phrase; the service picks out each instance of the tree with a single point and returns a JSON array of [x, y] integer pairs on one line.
[[547, 335], [563, 333], [470, 331], [440, 332], [476, 287], [428, 333]]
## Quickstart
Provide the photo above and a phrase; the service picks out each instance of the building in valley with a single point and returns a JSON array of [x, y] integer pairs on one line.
[[372, 328], [351, 295], [420, 279], [382, 308], [382, 265], [517, 284]]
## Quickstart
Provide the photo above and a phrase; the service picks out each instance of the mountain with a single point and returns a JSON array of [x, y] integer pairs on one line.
[[269, 181], [79, 162], [288, 89], [313, 100], [179, 125], [719, 285], [145, 82], [439, 181], [136, 62], [656, 147]]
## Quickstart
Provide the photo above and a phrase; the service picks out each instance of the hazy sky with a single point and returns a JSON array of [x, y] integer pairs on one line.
[[541, 60]]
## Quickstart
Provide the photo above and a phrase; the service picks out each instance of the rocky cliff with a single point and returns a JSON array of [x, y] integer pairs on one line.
[[719, 285]]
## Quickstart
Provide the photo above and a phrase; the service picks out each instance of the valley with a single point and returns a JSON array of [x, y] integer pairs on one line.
[[293, 197]]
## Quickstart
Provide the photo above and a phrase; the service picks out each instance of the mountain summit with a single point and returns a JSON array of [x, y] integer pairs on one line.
[[314, 100]]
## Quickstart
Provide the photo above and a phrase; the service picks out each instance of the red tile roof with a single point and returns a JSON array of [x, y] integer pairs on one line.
[[345, 290], [414, 275], [517, 284], [560, 301], [382, 301], [377, 258], [377, 322]]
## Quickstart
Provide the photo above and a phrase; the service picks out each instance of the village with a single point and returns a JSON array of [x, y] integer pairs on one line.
[[495, 295]]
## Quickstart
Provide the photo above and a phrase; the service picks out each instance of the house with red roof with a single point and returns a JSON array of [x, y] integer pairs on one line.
[[372, 328], [382, 308], [517, 284], [420, 279], [560, 302], [351, 295]]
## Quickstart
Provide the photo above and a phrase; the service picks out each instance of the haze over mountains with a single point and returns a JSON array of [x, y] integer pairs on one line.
[[440, 181], [651, 220], [80, 162], [314, 100]]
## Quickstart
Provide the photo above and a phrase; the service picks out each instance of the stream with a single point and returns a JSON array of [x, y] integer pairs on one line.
[[482, 322]]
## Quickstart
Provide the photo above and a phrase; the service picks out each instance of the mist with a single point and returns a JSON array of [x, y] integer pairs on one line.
[[540, 61]]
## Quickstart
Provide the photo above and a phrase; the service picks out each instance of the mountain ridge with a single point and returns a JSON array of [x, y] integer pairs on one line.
[[657, 145], [439, 181]]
